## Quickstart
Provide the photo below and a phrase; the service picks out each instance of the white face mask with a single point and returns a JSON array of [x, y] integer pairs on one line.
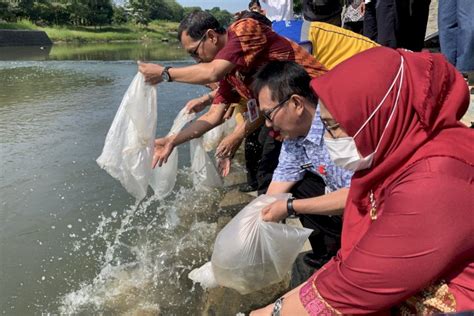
[[343, 151]]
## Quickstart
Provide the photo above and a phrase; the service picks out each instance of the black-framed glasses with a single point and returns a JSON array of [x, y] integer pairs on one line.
[[330, 128], [267, 114], [194, 53]]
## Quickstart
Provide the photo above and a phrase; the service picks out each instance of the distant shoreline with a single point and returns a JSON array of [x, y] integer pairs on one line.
[[156, 31]]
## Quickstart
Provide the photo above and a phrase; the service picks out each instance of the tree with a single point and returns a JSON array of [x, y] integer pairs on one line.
[[223, 16], [78, 11], [139, 11], [166, 10], [120, 15], [188, 10], [58, 13], [25, 8], [297, 6], [8, 11], [100, 12]]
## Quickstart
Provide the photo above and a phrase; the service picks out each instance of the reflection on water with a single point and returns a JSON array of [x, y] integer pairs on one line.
[[71, 238], [97, 51], [26, 91], [118, 51], [25, 52]]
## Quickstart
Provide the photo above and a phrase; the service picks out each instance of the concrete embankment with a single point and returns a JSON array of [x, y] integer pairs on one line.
[[24, 38]]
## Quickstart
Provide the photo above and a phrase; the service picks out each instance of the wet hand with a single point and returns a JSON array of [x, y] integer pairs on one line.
[[163, 148], [229, 112], [212, 85], [275, 212], [196, 105], [223, 164], [228, 146], [151, 72]]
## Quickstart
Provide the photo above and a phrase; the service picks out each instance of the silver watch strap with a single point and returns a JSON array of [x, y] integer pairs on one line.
[[277, 307]]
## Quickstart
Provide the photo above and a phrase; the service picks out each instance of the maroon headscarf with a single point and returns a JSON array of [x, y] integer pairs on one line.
[[433, 98]]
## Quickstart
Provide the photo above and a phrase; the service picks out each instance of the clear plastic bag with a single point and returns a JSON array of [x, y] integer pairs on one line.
[[205, 174], [213, 137], [250, 254], [204, 276], [163, 178], [128, 150]]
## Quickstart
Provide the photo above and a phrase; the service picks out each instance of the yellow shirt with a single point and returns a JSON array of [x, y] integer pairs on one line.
[[332, 44], [240, 109]]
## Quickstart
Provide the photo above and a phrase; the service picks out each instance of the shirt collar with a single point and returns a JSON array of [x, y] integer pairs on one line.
[[316, 130]]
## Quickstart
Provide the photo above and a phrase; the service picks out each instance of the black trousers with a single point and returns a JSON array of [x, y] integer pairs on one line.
[[397, 23], [356, 27], [326, 238], [253, 152], [369, 28], [414, 14], [268, 159]]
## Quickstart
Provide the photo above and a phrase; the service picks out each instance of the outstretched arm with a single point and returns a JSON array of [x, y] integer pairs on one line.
[[229, 145], [201, 73], [198, 104], [164, 146]]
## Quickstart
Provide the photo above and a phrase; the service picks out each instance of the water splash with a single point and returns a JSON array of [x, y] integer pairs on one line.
[[149, 250]]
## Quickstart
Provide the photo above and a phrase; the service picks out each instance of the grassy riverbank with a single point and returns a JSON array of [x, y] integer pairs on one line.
[[155, 31]]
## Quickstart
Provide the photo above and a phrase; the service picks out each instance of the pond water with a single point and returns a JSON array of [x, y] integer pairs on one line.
[[72, 240]]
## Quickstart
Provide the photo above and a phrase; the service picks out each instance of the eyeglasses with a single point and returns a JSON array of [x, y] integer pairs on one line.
[[267, 114], [194, 53], [330, 128]]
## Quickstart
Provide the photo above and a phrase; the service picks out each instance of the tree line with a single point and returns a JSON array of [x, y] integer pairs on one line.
[[99, 12]]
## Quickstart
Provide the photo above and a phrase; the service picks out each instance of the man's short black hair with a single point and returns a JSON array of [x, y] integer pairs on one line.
[[197, 23], [256, 16], [252, 2], [284, 78]]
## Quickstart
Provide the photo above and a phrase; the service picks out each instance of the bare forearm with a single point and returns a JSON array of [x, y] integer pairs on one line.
[[205, 123], [329, 204], [202, 73], [276, 187]]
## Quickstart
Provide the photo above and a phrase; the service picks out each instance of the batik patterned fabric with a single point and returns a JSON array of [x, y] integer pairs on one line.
[[353, 11], [250, 45], [312, 300]]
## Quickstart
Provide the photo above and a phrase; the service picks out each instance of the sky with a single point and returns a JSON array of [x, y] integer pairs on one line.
[[229, 5]]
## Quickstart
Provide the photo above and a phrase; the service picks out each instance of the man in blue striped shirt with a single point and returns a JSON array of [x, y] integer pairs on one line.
[[305, 169]]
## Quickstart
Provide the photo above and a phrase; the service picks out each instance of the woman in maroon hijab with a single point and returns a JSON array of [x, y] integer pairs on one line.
[[407, 240]]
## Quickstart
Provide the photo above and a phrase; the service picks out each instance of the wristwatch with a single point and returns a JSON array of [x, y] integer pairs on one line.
[[289, 207], [277, 307], [165, 75]]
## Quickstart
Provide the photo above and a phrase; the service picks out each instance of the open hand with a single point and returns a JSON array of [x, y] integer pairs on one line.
[[163, 148], [228, 146], [197, 105], [223, 164]]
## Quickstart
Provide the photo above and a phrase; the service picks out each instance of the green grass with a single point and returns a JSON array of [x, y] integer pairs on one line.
[[20, 25], [155, 31]]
